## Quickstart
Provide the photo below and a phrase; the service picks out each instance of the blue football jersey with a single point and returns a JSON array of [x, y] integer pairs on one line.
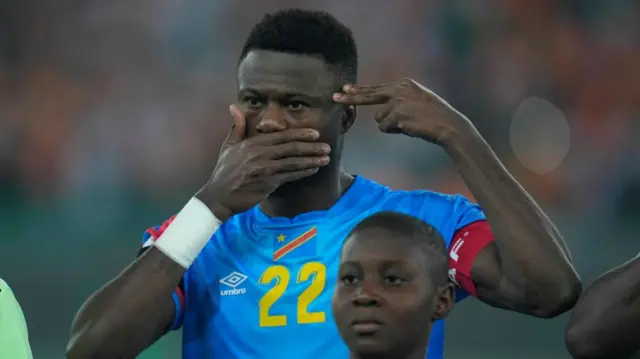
[[262, 287]]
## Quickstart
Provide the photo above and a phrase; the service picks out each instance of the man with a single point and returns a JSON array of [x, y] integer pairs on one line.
[[14, 337], [280, 205], [606, 321], [392, 287]]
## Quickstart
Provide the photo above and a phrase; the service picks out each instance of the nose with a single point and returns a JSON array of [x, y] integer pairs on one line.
[[272, 120], [366, 296]]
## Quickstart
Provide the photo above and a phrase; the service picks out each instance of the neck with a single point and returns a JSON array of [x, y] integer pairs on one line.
[[400, 352], [315, 193]]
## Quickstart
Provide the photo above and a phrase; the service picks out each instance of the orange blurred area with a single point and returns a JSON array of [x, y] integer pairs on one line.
[[100, 79]]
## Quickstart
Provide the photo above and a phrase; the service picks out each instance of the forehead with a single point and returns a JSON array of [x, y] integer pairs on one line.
[[380, 245], [291, 73]]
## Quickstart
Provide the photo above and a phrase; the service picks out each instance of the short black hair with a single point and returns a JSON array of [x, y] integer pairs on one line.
[[307, 32], [417, 232]]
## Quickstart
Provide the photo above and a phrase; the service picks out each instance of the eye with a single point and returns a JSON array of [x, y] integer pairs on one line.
[[393, 280], [348, 279], [296, 105], [252, 102]]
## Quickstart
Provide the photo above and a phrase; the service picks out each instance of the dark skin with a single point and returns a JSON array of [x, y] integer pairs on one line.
[[605, 322], [286, 144], [283, 91], [507, 273], [389, 294]]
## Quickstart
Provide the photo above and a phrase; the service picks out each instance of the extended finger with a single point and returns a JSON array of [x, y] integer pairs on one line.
[[264, 170], [289, 135], [293, 149], [364, 95], [293, 164]]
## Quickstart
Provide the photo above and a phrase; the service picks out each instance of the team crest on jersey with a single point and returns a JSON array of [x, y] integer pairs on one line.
[[232, 281], [295, 245]]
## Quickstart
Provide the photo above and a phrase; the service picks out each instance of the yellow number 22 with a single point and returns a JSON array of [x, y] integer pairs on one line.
[[314, 271]]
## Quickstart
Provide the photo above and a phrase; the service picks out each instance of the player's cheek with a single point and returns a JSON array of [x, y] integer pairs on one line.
[[329, 128], [408, 313]]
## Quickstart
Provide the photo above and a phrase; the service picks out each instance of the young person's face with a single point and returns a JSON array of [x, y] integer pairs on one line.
[[386, 300]]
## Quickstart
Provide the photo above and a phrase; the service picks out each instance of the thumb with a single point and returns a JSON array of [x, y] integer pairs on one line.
[[238, 129]]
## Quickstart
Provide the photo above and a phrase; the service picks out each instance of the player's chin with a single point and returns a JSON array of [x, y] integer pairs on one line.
[[369, 344], [294, 185], [369, 348]]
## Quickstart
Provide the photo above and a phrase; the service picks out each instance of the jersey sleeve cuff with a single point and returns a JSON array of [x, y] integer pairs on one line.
[[178, 301]]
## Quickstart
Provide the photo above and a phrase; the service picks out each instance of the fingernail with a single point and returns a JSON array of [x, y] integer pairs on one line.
[[337, 96], [347, 87]]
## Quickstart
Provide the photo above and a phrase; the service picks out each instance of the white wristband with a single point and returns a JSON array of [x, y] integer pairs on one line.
[[188, 233]]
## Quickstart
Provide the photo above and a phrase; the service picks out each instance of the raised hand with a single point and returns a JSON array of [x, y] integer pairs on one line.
[[409, 108], [248, 170]]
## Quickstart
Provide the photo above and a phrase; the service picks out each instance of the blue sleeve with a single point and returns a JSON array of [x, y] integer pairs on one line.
[[447, 213], [465, 212]]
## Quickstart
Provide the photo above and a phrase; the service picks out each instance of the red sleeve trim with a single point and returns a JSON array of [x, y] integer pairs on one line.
[[156, 233], [181, 297], [467, 242]]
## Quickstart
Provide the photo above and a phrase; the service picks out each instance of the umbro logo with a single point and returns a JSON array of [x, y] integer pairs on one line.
[[233, 280]]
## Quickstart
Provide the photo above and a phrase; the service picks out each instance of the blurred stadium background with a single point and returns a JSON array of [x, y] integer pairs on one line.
[[111, 114]]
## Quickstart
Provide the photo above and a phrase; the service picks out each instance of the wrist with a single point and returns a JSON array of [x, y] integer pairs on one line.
[[188, 233], [460, 139], [469, 150], [221, 212]]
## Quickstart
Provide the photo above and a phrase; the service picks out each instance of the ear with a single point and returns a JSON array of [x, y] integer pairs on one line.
[[445, 298], [348, 118]]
